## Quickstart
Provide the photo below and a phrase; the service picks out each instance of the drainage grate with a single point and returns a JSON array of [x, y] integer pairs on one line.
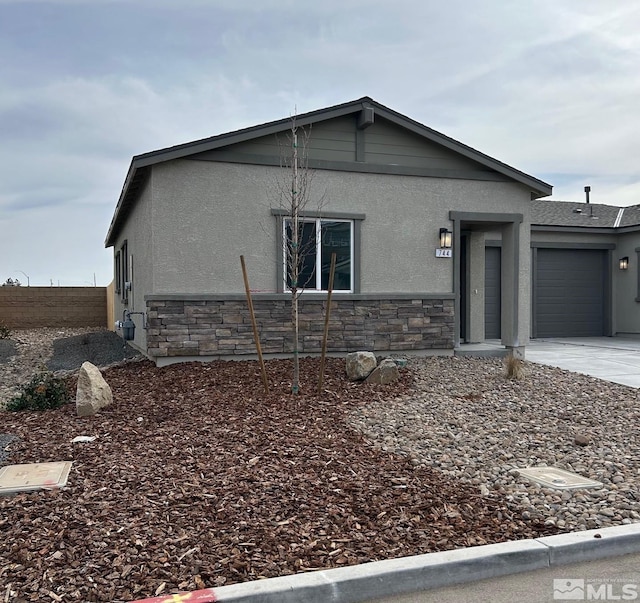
[[34, 476], [552, 477]]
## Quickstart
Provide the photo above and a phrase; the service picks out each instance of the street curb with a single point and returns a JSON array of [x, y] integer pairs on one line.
[[360, 583], [576, 547]]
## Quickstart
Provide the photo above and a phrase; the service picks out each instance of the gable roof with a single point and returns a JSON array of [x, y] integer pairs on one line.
[[574, 214], [365, 106]]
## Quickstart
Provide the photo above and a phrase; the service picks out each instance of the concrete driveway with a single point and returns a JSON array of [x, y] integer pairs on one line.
[[615, 359]]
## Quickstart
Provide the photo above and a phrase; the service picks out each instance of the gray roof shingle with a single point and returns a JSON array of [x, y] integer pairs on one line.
[[631, 216], [582, 215]]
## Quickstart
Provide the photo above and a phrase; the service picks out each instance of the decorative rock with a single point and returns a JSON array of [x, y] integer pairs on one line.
[[385, 373], [485, 440], [582, 439], [93, 392], [359, 365]]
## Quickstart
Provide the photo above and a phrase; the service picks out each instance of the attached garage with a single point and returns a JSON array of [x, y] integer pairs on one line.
[[571, 292]]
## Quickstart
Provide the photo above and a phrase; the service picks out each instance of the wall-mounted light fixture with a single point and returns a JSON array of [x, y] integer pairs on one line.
[[446, 238], [624, 263]]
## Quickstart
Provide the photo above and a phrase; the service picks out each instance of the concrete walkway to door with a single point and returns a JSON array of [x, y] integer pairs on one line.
[[615, 359]]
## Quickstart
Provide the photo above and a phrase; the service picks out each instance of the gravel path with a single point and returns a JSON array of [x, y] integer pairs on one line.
[[467, 420]]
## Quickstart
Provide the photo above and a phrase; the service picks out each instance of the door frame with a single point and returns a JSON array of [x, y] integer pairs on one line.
[[510, 270]]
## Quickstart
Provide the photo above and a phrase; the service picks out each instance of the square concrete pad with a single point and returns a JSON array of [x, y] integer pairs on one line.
[[552, 477], [33, 476]]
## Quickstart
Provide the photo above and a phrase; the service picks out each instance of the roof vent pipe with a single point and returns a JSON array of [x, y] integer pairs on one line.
[[587, 190]]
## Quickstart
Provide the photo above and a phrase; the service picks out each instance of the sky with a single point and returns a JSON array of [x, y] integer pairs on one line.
[[550, 87]]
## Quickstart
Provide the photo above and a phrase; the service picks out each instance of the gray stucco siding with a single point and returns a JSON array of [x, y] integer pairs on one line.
[[627, 285], [572, 237], [206, 214]]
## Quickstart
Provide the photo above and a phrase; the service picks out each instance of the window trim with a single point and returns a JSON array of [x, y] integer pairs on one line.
[[318, 259], [356, 238]]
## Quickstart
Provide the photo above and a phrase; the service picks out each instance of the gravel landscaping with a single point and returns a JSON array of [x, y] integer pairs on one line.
[[469, 422], [198, 479], [101, 348]]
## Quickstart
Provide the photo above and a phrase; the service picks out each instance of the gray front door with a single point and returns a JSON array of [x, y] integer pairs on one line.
[[492, 292]]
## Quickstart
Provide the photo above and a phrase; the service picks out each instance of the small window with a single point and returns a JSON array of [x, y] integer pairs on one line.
[[124, 272], [117, 275], [317, 240]]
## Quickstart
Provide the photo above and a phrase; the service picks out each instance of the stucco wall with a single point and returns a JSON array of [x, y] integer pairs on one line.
[[627, 301], [572, 237], [139, 234], [206, 214]]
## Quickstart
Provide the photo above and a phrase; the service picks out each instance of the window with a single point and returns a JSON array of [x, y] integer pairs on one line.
[[117, 277], [124, 272], [317, 240]]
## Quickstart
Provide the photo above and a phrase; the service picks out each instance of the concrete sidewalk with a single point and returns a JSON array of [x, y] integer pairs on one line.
[[615, 359]]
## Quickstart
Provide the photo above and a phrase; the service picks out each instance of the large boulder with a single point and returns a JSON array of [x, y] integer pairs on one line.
[[360, 364], [386, 372], [93, 392]]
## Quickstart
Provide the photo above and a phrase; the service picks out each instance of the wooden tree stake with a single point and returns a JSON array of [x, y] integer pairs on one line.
[[255, 326]]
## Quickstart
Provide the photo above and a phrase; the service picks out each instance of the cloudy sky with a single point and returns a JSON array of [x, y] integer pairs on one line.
[[551, 87]]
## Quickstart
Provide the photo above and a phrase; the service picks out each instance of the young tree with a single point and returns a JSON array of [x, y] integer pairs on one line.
[[300, 236]]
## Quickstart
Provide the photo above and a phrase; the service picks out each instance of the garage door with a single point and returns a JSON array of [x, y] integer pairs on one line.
[[569, 292], [492, 293]]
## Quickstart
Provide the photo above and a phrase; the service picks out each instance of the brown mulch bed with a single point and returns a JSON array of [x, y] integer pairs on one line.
[[197, 479]]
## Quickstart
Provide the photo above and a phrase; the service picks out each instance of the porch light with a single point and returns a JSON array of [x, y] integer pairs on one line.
[[624, 263], [445, 238]]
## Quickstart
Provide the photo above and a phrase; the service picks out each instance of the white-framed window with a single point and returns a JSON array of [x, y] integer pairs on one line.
[[318, 238]]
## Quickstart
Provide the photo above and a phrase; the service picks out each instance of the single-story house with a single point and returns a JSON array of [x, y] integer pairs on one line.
[[436, 244]]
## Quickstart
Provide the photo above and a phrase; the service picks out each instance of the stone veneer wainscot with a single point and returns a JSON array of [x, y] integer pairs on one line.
[[208, 325]]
